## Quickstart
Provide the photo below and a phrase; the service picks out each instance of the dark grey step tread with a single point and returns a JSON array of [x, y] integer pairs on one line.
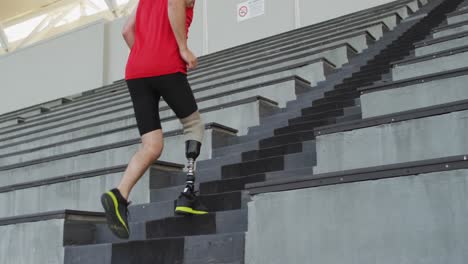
[[225, 201], [218, 248], [213, 223], [226, 185], [169, 193], [306, 157], [269, 164], [218, 162], [244, 146], [299, 147], [163, 209]]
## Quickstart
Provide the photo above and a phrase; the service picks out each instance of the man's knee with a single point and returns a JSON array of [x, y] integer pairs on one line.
[[194, 128]]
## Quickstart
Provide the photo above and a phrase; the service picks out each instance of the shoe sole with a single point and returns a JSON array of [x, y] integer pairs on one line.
[[114, 219], [182, 210]]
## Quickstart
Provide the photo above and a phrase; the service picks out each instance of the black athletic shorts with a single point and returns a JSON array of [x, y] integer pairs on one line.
[[146, 93]]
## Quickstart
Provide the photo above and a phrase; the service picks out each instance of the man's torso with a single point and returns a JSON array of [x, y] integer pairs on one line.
[[155, 51]]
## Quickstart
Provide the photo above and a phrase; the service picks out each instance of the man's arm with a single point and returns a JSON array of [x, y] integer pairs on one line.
[[177, 17], [128, 31]]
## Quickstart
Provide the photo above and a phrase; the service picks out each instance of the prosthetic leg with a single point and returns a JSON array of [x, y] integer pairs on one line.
[[188, 203]]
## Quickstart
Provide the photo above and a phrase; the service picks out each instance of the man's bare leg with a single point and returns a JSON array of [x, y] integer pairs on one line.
[[149, 152]]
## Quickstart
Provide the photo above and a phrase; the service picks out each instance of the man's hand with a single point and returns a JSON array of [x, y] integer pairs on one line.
[[189, 58]]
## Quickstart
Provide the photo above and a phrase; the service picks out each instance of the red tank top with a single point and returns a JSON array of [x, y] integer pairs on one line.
[[155, 51]]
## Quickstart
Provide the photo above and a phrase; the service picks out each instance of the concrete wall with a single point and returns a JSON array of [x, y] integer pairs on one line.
[[36, 242], [95, 55], [418, 220], [51, 69]]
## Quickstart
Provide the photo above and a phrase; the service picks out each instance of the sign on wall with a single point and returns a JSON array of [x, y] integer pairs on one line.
[[250, 9]]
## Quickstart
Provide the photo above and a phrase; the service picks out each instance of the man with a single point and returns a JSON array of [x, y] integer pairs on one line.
[[156, 33]]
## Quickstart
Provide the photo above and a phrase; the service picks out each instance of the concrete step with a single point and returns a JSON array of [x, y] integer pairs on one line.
[[78, 191], [450, 30], [46, 233], [230, 185], [358, 40], [228, 150], [271, 152], [287, 139], [308, 125], [206, 97], [411, 94], [213, 223], [458, 18], [96, 158], [416, 135], [335, 55], [328, 106], [219, 248], [334, 34], [268, 164], [441, 44], [282, 86], [430, 64], [221, 201], [60, 142], [339, 25]]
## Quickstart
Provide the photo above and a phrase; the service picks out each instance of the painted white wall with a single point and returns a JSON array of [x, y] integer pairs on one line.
[[116, 51], [95, 55], [52, 69]]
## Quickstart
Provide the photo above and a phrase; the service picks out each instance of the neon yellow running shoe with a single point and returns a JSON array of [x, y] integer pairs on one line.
[[116, 209]]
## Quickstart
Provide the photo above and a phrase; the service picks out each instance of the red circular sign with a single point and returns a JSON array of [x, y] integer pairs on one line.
[[243, 10]]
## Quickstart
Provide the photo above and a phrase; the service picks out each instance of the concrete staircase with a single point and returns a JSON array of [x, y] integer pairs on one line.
[[290, 86]]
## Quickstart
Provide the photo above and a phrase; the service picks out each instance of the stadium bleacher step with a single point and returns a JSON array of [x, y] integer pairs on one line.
[[257, 155], [450, 29], [414, 128], [329, 105], [288, 138], [432, 63], [315, 116], [457, 17], [212, 223], [430, 46], [230, 185], [309, 125], [219, 248], [413, 93]]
